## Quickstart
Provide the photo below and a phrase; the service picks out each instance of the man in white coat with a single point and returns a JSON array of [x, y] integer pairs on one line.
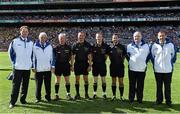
[[138, 56], [163, 55], [43, 64], [20, 52]]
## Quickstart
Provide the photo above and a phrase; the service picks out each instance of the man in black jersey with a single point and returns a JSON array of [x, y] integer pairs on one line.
[[117, 55], [99, 55], [82, 65], [63, 56]]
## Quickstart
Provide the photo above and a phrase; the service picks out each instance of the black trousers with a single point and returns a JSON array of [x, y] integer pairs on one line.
[[166, 79], [136, 85], [46, 76], [20, 77]]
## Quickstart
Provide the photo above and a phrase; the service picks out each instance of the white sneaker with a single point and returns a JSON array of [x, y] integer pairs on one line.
[[11, 106]]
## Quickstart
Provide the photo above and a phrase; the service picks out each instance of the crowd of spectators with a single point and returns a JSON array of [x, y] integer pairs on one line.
[[125, 33], [51, 0], [19, 0], [87, 16]]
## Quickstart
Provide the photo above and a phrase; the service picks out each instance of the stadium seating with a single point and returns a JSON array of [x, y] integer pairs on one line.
[[125, 33]]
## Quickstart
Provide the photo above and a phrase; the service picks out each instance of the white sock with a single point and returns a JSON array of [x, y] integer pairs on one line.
[[68, 93], [104, 93], [94, 93]]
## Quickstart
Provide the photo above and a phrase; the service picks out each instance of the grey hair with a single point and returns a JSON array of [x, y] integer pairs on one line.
[[42, 33], [137, 32], [61, 34]]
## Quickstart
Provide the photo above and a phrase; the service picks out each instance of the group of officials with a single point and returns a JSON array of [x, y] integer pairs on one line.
[[82, 57]]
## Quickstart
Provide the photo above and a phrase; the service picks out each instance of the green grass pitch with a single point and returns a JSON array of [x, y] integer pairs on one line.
[[89, 106]]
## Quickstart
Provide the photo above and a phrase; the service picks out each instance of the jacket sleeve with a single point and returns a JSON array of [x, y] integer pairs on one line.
[[53, 58], [148, 56], [174, 54], [127, 54], [12, 53], [34, 59], [151, 56]]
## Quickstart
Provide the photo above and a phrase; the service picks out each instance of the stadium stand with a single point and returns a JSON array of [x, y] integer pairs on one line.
[[108, 17], [125, 33]]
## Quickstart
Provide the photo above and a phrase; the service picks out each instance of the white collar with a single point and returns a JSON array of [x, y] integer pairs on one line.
[[25, 39], [162, 43], [139, 44]]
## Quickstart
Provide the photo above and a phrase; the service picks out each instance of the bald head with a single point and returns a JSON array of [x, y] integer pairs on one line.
[[137, 36], [81, 37], [42, 37], [115, 38], [162, 36], [99, 38], [62, 38]]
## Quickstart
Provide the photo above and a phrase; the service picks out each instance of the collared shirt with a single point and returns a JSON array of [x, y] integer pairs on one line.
[[81, 51], [62, 53], [117, 53], [99, 53], [24, 39]]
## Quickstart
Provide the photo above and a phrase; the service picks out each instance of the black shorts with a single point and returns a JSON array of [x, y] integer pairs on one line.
[[81, 68], [99, 69], [62, 69], [117, 70]]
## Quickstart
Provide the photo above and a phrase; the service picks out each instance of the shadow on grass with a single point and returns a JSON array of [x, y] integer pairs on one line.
[[98, 106]]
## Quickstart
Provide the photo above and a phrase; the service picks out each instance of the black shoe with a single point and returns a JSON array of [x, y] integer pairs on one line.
[[104, 97], [87, 96], [94, 96], [56, 98], [48, 98], [37, 101], [33, 78], [23, 102], [139, 101], [77, 96], [122, 98], [69, 97], [113, 98], [131, 101], [168, 104], [158, 102], [11, 106]]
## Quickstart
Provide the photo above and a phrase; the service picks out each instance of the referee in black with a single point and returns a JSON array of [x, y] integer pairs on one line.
[[83, 62], [99, 56], [117, 54], [63, 56]]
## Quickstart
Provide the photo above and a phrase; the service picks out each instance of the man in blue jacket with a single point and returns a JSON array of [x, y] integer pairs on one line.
[[20, 52], [163, 54], [138, 54], [43, 64]]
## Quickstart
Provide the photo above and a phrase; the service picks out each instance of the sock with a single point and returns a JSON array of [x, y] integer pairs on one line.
[[95, 87], [56, 88], [77, 88], [68, 88], [104, 87], [121, 89], [114, 90], [86, 88]]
